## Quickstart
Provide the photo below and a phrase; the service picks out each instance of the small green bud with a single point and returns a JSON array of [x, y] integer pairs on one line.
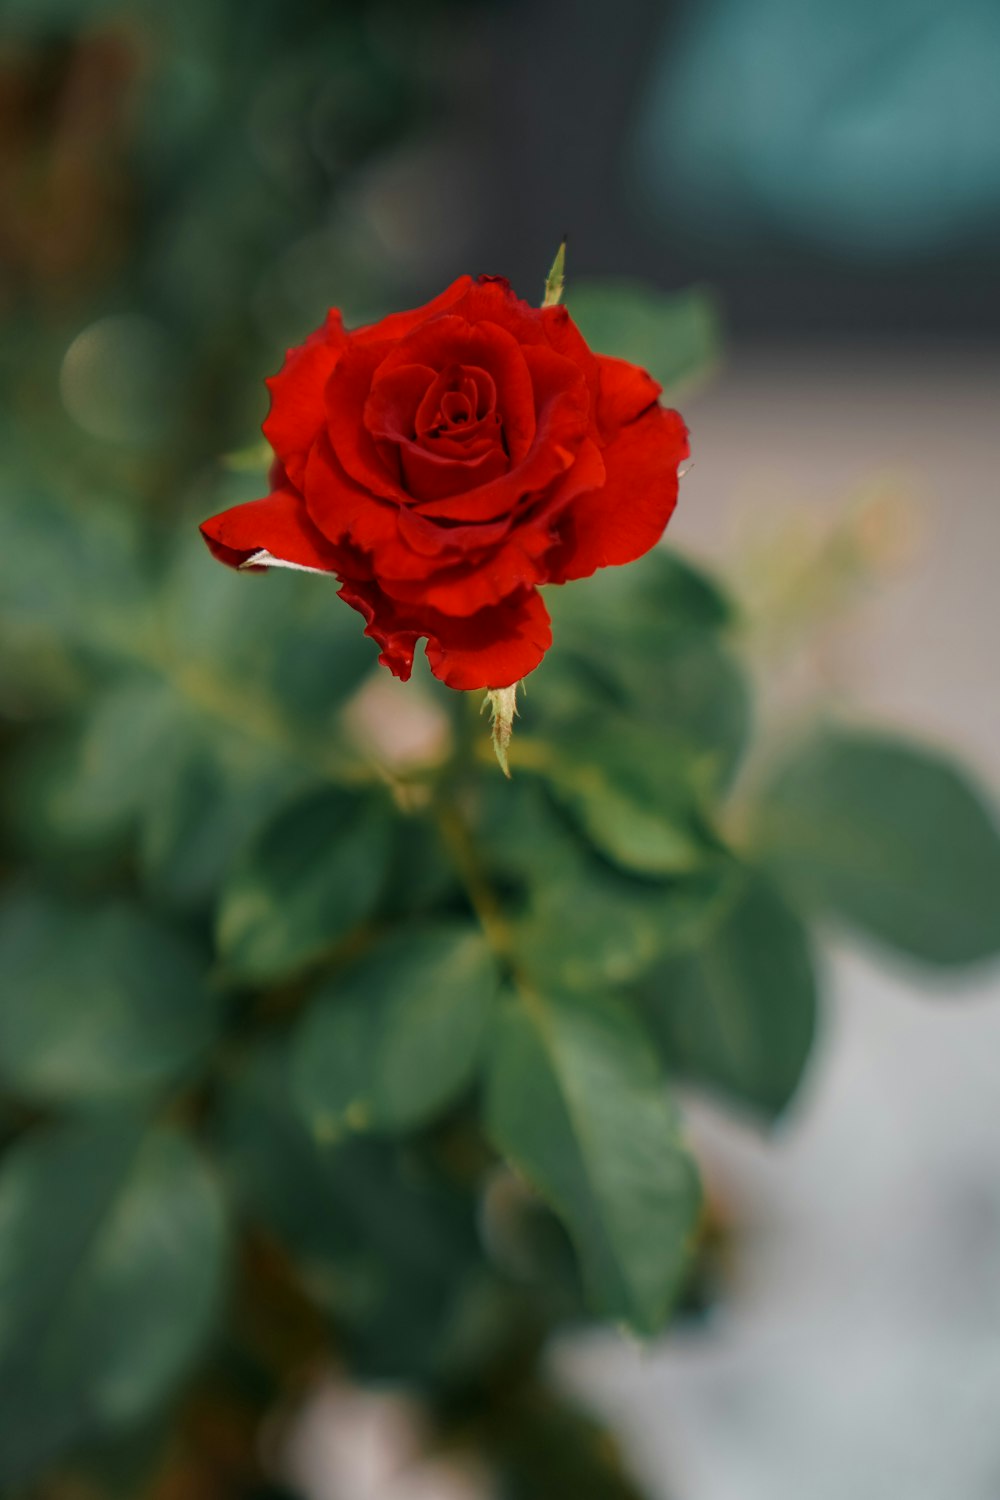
[[556, 279]]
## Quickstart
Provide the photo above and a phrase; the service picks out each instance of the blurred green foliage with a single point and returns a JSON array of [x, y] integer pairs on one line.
[[313, 1056]]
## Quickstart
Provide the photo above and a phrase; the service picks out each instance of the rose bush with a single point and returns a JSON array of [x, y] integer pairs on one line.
[[443, 463]]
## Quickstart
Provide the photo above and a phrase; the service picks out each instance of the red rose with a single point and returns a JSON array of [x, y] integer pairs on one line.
[[445, 462]]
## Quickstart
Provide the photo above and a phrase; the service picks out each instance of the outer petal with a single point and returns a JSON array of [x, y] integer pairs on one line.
[[273, 532], [492, 648], [626, 516], [297, 408], [297, 400], [624, 393], [566, 339], [489, 299], [396, 639], [396, 325]]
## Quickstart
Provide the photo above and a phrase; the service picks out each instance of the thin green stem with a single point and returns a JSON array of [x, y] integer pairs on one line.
[[486, 903]]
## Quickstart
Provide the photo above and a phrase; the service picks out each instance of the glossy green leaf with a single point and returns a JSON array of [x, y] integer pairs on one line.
[[397, 1036], [311, 876], [675, 336], [577, 1103], [97, 1002], [112, 1246], [892, 838], [738, 1011]]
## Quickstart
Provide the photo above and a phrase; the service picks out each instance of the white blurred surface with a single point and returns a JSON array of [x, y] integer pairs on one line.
[[858, 1354], [780, 431]]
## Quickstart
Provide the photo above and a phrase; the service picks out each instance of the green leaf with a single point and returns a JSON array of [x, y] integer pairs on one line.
[[634, 796], [97, 1002], [112, 1245], [576, 1101], [381, 1239], [277, 1170], [395, 1038], [131, 728], [422, 878], [621, 924], [71, 573], [662, 593], [674, 336], [201, 811], [311, 876], [738, 1012], [892, 838], [78, 795], [646, 639]]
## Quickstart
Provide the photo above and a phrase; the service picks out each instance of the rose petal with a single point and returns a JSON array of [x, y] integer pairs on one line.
[[391, 408], [468, 587], [273, 532], [472, 442], [347, 398], [396, 641], [489, 299], [397, 325], [471, 385], [449, 543], [566, 339], [346, 513], [625, 392], [450, 341], [297, 406], [626, 516], [492, 648], [563, 416], [401, 543], [434, 476], [443, 342]]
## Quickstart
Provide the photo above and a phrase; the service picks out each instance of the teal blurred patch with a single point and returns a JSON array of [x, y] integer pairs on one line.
[[869, 129]]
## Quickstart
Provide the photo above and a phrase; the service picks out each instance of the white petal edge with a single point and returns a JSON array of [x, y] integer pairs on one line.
[[265, 559]]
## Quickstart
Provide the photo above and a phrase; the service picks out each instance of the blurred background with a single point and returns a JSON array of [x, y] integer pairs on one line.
[[185, 188]]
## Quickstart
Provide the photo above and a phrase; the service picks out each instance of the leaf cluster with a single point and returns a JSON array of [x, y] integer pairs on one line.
[[407, 1040]]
